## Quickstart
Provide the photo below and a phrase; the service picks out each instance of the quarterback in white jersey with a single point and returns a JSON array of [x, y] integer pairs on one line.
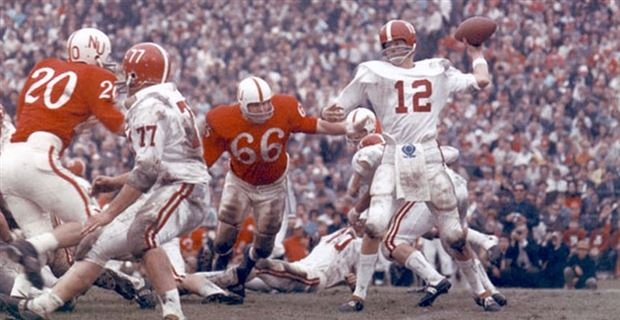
[[407, 98], [169, 177]]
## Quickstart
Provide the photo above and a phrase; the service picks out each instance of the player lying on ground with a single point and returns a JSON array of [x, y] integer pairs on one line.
[[330, 263]]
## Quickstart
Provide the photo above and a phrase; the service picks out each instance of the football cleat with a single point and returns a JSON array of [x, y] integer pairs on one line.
[[500, 298], [353, 305], [490, 305], [24, 253], [146, 298], [432, 292], [229, 299], [18, 308]]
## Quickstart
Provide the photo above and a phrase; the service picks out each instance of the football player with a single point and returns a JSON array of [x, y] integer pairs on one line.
[[407, 225], [330, 263], [408, 97], [255, 131], [58, 96], [165, 194]]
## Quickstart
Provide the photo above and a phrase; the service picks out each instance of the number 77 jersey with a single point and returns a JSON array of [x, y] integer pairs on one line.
[[407, 102], [258, 151], [59, 95]]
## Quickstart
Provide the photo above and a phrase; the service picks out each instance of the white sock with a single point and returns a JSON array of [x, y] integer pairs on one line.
[[44, 243], [49, 279], [21, 287], [470, 272], [480, 239], [417, 263], [171, 303], [209, 289], [45, 303], [484, 277], [365, 269]]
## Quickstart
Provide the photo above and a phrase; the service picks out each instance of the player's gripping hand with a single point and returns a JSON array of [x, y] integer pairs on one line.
[[333, 113], [96, 221], [104, 184]]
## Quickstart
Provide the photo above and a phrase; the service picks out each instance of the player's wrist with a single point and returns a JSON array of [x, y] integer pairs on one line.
[[479, 61]]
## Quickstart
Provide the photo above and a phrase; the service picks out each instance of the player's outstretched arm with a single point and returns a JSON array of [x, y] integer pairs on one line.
[[331, 128], [479, 65]]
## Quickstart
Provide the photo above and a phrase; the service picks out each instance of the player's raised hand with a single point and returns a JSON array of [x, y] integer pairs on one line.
[[104, 184], [96, 221], [333, 113], [473, 51]]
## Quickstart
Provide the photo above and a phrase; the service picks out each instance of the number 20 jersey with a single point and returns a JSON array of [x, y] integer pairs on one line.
[[59, 95], [407, 102], [257, 151]]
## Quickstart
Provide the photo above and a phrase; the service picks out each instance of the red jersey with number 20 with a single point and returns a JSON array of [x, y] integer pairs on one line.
[[258, 151], [59, 95]]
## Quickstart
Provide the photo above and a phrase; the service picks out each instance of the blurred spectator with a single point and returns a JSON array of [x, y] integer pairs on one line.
[[519, 210], [553, 256], [580, 269], [523, 260]]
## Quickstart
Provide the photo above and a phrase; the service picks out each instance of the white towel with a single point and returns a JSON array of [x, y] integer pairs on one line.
[[411, 181]]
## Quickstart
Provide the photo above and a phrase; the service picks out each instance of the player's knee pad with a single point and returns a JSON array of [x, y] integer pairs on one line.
[[263, 244], [443, 196], [225, 238], [379, 215]]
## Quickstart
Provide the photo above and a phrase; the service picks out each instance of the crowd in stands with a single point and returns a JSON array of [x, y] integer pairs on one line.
[[540, 147]]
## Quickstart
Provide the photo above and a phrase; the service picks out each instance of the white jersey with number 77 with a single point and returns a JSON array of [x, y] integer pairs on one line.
[[407, 102]]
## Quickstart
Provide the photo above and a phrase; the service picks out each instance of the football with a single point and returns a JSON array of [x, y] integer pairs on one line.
[[476, 30]]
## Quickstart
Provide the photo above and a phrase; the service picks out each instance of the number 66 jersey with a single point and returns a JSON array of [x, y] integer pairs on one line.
[[258, 151]]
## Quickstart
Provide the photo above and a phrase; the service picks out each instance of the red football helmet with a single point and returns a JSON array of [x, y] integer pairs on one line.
[[146, 63], [397, 30]]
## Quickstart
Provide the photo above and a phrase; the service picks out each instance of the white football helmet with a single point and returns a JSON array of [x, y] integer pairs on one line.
[[360, 123], [89, 45], [254, 90]]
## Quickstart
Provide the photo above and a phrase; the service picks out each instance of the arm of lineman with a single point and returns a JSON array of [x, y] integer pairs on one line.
[[331, 128]]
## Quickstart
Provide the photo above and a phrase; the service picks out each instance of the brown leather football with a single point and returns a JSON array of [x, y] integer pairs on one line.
[[476, 30]]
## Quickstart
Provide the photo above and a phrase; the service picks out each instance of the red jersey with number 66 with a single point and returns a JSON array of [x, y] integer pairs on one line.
[[258, 151], [59, 95]]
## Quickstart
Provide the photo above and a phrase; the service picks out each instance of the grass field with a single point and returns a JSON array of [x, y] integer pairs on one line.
[[383, 303]]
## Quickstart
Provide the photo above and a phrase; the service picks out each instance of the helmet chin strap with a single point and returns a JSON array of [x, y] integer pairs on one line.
[[399, 61]]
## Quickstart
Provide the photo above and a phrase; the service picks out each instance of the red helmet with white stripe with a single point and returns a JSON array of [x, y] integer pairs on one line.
[[397, 30], [145, 64], [254, 95], [360, 123]]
